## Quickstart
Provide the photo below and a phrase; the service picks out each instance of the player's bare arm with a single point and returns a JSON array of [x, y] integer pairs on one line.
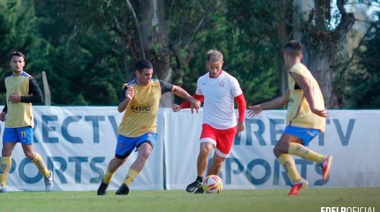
[[194, 103], [129, 94], [305, 86], [278, 102]]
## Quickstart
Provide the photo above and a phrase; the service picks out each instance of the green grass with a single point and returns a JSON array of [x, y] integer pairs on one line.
[[177, 200]]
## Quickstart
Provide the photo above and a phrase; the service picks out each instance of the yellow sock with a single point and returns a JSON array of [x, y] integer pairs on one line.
[[302, 151], [107, 178], [6, 164], [287, 162], [40, 164], [132, 174]]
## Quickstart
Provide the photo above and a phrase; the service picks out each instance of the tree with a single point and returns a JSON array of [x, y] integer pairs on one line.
[[136, 28], [324, 35], [88, 48], [255, 45], [17, 33], [83, 60], [365, 82]]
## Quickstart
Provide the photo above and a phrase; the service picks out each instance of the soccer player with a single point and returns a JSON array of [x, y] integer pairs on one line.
[[218, 89], [137, 130], [21, 91], [305, 118]]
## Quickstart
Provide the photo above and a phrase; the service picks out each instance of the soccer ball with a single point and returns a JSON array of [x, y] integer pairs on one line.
[[213, 184]]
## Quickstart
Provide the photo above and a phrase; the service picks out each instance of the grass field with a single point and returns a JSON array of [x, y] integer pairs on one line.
[[260, 200]]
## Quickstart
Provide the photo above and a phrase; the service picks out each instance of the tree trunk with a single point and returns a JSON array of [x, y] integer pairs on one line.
[[320, 66], [283, 38], [155, 37], [321, 44]]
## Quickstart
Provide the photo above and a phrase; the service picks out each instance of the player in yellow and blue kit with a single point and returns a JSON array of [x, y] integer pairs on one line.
[[140, 100], [21, 91], [305, 118]]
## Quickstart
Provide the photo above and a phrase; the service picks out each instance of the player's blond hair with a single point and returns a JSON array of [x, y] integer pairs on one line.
[[214, 56]]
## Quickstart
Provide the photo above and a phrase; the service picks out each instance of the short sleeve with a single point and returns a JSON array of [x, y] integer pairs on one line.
[[198, 91], [165, 87], [235, 87]]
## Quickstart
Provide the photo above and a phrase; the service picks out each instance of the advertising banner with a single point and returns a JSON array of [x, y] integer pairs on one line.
[[78, 142]]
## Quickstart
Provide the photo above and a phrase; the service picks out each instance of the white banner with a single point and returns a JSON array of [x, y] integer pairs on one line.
[[78, 142]]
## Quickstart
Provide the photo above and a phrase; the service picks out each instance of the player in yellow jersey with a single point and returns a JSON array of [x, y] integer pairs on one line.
[[305, 119], [21, 91], [140, 101]]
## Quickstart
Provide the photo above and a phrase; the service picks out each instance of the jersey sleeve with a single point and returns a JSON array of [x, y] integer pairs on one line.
[[242, 106], [165, 87], [122, 93], [235, 87], [198, 91], [34, 92]]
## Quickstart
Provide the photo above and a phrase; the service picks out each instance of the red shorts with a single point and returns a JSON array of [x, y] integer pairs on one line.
[[222, 139]]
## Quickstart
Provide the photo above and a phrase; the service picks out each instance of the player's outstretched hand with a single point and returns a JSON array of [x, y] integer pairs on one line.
[[255, 110], [195, 105], [176, 107], [322, 113]]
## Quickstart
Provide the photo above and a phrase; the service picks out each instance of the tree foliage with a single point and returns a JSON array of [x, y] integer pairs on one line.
[[248, 51], [365, 82], [88, 48], [17, 32]]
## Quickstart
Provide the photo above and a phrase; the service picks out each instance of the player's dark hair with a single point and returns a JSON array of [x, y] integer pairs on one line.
[[18, 54], [293, 48], [142, 64]]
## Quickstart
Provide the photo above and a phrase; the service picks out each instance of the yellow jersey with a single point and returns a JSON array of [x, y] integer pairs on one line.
[[299, 113], [140, 115], [18, 114]]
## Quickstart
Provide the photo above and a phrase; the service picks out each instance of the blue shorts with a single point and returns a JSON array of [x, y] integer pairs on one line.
[[125, 145], [305, 134], [24, 135]]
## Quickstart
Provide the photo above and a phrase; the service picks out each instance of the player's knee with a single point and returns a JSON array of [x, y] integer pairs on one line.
[[205, 148], [144, 155], [6, 152], [280, 148], [276, 152]]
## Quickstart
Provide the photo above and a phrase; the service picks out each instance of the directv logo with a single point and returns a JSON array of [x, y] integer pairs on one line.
[[348, 209]]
